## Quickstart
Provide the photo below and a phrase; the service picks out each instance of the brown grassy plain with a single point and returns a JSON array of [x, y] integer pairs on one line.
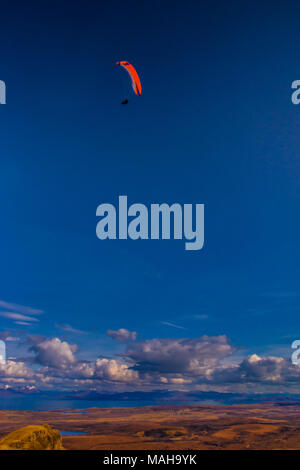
[[264, 426]]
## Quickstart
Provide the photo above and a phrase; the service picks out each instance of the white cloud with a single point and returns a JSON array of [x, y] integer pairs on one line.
[[70, 329], [173, 325], [54, 353], [193, 363], [192, 356], [110, 369], [257, 370], [20, 308], [18, 317], [122, 335], [15, 370]]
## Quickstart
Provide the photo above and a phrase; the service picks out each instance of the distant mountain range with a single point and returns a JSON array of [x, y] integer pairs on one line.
[[157, 397], [167, 397]]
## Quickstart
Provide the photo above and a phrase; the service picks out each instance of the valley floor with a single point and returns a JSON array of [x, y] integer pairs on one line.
[[263, 426]]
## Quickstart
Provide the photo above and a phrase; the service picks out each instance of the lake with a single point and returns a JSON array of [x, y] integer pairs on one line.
[[72, 433], [36, 403]]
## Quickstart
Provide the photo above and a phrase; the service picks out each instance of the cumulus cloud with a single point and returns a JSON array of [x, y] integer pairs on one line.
[[13, 369], [122, 335], [192, 356], [191, 363], [175, 380], [258, 370], [54, 353], [95, 372], [59, 362], [110, 369]]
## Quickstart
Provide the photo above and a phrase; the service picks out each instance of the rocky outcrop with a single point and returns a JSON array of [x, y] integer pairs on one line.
[[32, 438]]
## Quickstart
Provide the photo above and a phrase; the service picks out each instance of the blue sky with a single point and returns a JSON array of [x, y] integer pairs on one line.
[[214, 125]]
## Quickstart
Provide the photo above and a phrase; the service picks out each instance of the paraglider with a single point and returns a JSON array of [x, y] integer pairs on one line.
[[135, 79]]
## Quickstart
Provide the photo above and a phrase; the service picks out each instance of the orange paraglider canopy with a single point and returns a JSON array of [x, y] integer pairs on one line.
[[135, 80]]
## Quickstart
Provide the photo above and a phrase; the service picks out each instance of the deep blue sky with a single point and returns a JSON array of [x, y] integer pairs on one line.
[[215, 125]]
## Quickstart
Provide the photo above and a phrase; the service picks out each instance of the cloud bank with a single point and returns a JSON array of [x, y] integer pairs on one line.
[[206, 363]]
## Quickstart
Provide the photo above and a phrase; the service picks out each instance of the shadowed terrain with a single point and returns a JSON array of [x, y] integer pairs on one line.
[[263, 426]]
